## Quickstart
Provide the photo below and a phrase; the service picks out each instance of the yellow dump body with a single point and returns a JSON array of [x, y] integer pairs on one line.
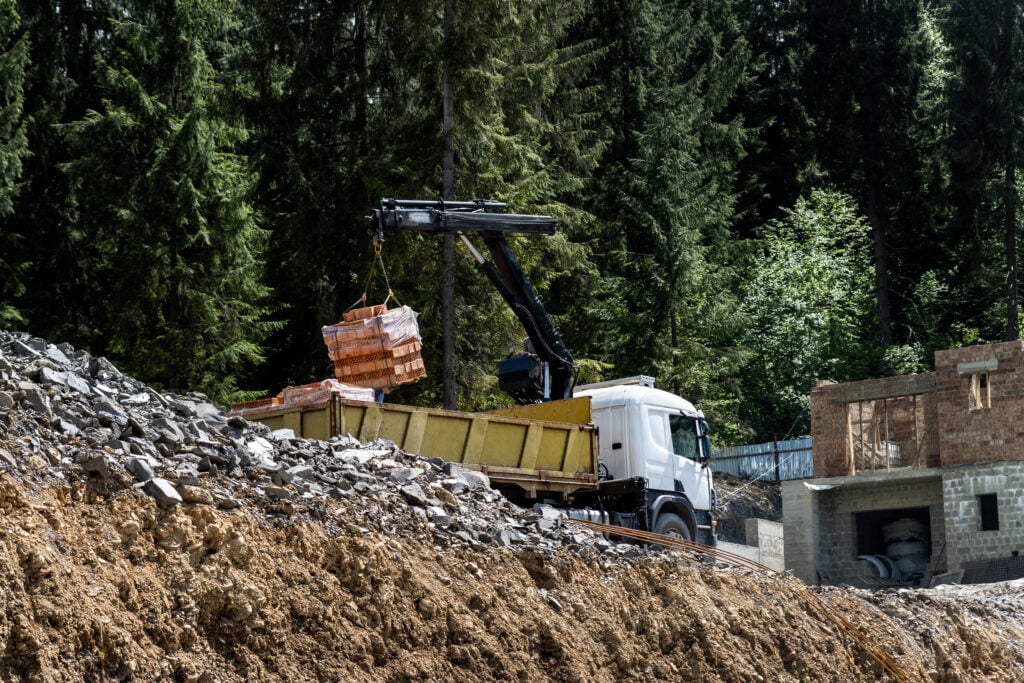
[[516, 446]]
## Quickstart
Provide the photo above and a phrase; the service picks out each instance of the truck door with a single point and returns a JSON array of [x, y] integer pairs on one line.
[[657, 457], [689, 470]]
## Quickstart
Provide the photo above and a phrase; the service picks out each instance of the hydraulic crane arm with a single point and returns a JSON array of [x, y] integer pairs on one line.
[[547, 372]]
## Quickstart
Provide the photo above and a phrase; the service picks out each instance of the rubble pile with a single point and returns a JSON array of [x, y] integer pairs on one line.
[[77, 417]]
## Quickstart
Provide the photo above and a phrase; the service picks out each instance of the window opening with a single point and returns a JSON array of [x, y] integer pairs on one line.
[[988, 508], [981, 394]]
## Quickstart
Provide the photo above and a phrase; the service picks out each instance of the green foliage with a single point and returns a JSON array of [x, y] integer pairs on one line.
[[809, 308], [176, 174], [13, 148], [159, 190], [663, 191]]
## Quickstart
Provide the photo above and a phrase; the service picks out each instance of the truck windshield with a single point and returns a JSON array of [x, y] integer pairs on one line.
[[684, 436]]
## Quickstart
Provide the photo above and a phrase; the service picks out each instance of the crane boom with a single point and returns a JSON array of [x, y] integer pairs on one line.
[[545, 371]]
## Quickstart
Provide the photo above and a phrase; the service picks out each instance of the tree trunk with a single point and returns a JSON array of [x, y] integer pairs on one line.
[[447, 192], [1012, 313], [1006, 76]]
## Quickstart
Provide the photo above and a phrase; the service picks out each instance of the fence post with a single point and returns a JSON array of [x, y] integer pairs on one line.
[[775, 452]]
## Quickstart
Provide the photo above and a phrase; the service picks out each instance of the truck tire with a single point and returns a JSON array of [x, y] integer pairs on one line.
[[671, 524]]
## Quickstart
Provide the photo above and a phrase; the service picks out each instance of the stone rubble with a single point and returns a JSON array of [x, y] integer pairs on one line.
[[69, 418]]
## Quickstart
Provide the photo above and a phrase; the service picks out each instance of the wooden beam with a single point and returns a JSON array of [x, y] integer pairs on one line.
[[894, 388]]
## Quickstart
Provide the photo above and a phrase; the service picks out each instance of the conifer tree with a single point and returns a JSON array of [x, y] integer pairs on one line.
[[164, 200], [326, 152], [13, 148], [986, 101], [60, 87], [664, 192]]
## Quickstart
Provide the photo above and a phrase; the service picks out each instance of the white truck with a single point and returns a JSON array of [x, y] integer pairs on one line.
[[619, 452], [653, 455]]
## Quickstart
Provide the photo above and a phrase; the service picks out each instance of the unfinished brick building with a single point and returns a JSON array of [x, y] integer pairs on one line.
[[915, 476]]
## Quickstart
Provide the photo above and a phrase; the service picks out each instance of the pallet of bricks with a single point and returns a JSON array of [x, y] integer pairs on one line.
[[305, 395], [377, 348]]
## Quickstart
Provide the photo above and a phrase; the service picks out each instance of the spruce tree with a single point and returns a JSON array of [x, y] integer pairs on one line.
[[860, 70], [663, 193], [162, 195], [13, 148], [986, 100], [60, 87], [347, 105]]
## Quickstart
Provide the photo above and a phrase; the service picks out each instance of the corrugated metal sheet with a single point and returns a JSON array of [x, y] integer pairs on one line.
[[758, 460]]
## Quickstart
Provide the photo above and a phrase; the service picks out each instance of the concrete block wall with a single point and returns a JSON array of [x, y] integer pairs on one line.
[[986, 434], [800, 512], [961, 487], [768, 536], [764, 544], [837, 551]]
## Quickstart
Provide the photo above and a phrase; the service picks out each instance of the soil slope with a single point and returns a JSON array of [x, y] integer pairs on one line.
[[101, 587]]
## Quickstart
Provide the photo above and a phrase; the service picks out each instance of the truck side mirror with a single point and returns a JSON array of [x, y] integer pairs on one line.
[[705, 443]]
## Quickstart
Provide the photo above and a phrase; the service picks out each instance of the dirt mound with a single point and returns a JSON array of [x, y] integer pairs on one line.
[[104, 587], [741, 499], [144, 536]]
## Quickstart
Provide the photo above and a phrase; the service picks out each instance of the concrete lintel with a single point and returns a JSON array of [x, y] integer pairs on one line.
[[900, 476], [989, 365]]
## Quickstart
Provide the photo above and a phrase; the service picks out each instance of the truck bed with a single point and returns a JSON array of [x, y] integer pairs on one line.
[[514, 447]]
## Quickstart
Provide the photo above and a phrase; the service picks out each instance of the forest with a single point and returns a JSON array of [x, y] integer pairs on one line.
[[753, 195]]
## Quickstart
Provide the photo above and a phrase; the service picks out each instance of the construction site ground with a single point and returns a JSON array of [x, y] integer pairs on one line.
[[128, 553], [101, 588], [740, 499]]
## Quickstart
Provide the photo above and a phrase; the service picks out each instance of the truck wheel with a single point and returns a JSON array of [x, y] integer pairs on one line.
[[671, 524]]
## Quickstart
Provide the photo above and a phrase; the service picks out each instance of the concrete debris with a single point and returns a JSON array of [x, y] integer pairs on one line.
[[66, 415]]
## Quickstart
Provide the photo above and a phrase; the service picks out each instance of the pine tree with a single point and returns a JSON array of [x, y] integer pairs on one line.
[[164, 200], [13, 148]]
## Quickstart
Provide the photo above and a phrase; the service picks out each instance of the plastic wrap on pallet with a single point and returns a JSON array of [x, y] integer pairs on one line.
[[319, 392], [382, 331], [377, 348]]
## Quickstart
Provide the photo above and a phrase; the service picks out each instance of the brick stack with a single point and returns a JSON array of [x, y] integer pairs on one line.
[[377, 348], [319, 392]]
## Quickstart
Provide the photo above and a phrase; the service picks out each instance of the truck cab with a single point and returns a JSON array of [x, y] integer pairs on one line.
[[659, 440]]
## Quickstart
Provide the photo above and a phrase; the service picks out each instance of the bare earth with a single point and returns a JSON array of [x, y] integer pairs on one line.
[[101, 587]]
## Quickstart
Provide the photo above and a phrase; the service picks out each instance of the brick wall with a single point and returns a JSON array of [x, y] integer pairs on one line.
[[939, 428], [986, 434], [828, 433], [837, 427]]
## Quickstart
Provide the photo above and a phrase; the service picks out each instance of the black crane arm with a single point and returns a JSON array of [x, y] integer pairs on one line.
[[521, 375]]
